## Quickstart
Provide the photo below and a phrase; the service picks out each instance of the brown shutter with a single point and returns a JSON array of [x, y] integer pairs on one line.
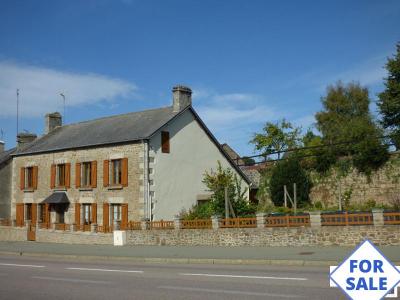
[[94, 173], [47, 213], [34, 213], [19, 214], [67, 175], [53, 177], [78, 175], [124, 216], [164, 141], [22, 179], [94, 213], [77, 214], [35, 177], [106, 170], [124, 171], [106, 217]]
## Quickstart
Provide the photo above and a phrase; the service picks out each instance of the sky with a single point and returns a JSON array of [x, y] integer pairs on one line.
[[247, 62]]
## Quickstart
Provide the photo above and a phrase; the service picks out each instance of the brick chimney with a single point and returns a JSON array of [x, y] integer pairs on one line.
[[52, 121], [2, 147], [182, 97], [24, 138]]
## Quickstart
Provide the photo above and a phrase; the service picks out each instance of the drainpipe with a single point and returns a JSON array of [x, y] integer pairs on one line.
[[146, 178]]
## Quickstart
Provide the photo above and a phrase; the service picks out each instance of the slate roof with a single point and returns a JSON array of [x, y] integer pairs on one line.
[[6, 155], [104, 131]]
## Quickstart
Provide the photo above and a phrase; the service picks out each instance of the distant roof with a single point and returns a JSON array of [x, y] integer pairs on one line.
[[109, 130], [6, 155], [253, 175], [232, 154]]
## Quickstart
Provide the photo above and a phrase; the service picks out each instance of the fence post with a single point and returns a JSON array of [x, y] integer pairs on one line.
[[346, 218], [260, 220], [378, 217], [287, 220], [215, 222], [315, 218], [93, 227], [144, 225], [177, 223], [14, 223]]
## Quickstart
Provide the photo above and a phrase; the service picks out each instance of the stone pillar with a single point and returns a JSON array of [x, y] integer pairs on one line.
[[260, 220], [144, 225], [315, 218], [378, 217], [177, 223], [215, 222], [93, 227], [72, 227]]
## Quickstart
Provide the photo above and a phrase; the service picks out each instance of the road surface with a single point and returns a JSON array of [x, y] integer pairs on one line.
[[49, 278]]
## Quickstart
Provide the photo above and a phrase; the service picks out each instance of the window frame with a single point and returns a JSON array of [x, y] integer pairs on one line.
[[86, 174], [59, 168], [165, 142], [118, 169], [28, 181], [112, 212]]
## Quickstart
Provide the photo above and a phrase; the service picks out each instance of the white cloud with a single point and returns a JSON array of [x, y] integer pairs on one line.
[[40, 89]]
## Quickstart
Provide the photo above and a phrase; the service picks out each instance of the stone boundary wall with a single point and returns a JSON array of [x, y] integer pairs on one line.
[[263, 237], [12, 234], [67, 237]]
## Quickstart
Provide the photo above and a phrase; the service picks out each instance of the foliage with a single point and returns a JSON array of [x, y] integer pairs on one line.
[[216, 181], [389, 99], [347, 125], [248, 161], [287, 172], [276, 137]]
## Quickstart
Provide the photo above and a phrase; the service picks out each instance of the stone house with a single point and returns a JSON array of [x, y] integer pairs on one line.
[[142, 165], [5, 181]]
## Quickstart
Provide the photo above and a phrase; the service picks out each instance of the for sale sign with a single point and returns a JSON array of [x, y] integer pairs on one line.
[[366, 274]]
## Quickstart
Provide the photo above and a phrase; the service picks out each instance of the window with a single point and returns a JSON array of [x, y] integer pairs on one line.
[[29, 178], [116, 172], [164, 141], [87, 214], [60, 175], [115, 214], [86, 177], [42, 213], [28, 215]]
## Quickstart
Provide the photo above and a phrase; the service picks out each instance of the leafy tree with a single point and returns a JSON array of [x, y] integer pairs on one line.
[[276, 137], [347, 125], [389, 99], [286, 172]]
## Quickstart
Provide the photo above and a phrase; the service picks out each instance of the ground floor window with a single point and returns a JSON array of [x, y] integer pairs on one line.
[[28, 210], [42, 213], [115, 214], [87, 214]]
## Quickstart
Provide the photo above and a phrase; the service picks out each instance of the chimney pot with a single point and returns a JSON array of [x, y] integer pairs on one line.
[[182, 97], [52, 121]]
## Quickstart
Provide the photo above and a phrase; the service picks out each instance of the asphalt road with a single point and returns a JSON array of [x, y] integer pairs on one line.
[[49, 278]]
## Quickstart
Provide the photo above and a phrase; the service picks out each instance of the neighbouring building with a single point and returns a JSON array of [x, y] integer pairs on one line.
[[142, 165], [5, 181]]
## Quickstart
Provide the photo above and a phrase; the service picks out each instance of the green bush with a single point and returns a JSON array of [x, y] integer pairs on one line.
[[287, 172]]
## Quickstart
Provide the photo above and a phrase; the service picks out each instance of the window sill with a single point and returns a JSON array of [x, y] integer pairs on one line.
[[60, 188], [115, 187], [85, 189], [28, 190]]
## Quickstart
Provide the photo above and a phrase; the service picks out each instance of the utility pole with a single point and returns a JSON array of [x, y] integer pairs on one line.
[[17, 111]]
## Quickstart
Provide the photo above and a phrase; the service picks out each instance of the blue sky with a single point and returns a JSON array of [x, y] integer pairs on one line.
[[248, 62]]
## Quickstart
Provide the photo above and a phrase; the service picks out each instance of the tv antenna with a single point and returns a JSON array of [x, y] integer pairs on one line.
[[63, 96], [1, 134], [17, 111]]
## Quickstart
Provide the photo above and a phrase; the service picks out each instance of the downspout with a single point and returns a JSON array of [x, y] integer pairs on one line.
[[146, 212]]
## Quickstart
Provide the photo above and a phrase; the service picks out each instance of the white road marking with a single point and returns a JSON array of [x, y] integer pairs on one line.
[[221, 291], [104, 270], [244, 276], [17, 265], [70, 280]]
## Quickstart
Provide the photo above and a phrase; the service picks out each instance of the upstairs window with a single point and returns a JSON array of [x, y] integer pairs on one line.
[[86, 179], [165, 142], [86, 174], [60, 175], [116, 172], [29, 178]]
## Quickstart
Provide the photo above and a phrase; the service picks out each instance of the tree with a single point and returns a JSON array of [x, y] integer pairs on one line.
[[389, 99], [346, 124], [286, 172], [276, 137]]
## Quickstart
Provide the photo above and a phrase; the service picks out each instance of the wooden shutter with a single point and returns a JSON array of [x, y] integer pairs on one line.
[[67, 175], [34, 213], [106, 170], [35, 171], [124, 216], [47, 213], [22, 179], [124, 171], [94, 174], [94, 213], [106, 217], [53, 176], [164, 141], [77, 214], [78, 175], [19, 214]]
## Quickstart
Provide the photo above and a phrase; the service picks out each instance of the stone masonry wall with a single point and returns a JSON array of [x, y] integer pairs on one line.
[[131, 194], [259, 237], [12, 234], [381, 187], [5, 190], [66, 237]]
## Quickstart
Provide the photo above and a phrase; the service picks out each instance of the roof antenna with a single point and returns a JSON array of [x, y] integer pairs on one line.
[[63, 96], [17, 111], [2, 134]]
